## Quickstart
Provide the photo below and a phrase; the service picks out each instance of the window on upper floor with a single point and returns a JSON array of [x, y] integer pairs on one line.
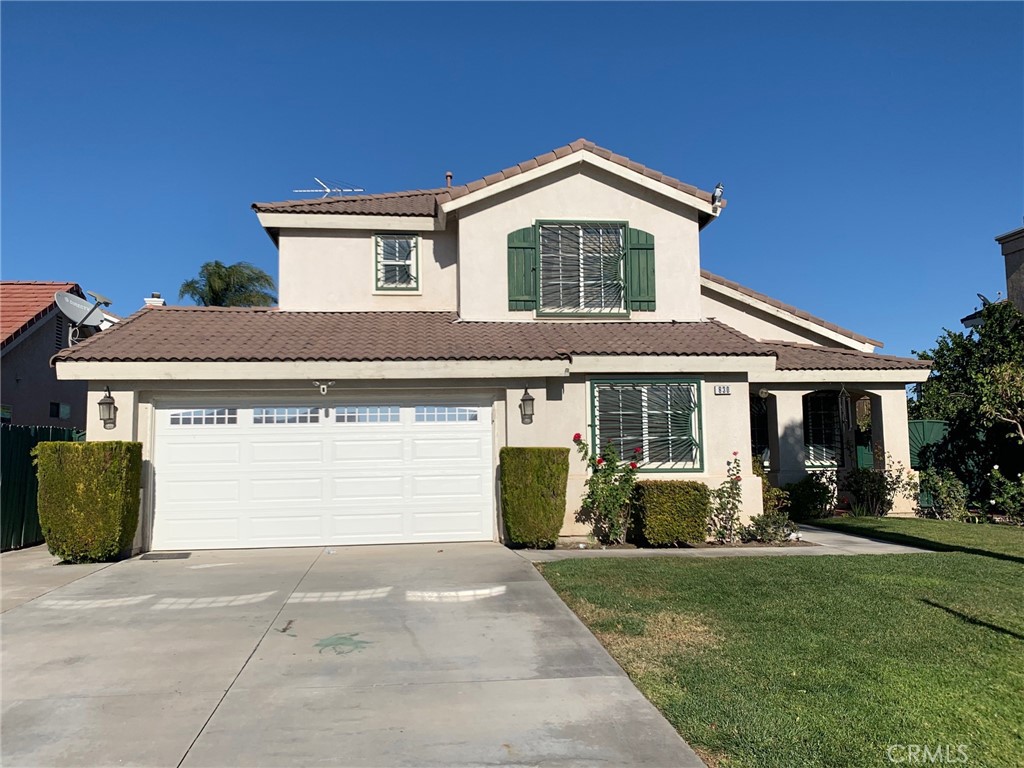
[[656, 423], [397, 258], [572, 268]]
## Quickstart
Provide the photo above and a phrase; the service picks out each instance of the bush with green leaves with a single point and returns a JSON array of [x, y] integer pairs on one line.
[[533, 484], [874, 490], [944, 497], [88, 498], [812, 497], [1007, 495], [726, 501], [773, 526], [608, 503], [672, 512], [772, 499]]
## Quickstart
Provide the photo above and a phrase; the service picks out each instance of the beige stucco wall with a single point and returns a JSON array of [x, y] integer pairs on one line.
[[334, 270], [577, 193], [562, 407], [28, 384], [757, 324]]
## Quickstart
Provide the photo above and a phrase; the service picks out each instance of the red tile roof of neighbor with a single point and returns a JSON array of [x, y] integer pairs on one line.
[[424, 202], [23, 302], [213, 334]]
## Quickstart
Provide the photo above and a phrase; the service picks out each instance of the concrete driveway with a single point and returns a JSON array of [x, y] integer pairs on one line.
[[408, 655]]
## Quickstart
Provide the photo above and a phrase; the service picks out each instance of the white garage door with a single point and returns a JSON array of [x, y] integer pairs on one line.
[[268, 475]]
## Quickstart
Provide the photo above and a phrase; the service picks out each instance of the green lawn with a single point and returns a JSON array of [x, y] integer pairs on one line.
[[801, 661]]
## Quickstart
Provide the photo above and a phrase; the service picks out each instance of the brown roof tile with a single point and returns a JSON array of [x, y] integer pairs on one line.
[[809, 357], [218, 334], [422, 202], [23, 302], [788, 308]]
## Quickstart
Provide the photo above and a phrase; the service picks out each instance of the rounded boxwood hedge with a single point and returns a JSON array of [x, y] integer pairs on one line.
[[672, 511], [88, 498], [533, 482]]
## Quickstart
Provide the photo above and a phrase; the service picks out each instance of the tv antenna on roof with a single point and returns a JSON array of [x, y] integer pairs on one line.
[[330, 187]]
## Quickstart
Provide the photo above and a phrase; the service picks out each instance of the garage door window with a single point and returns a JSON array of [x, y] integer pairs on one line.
[[294, 415], [202, 416], [367, 414], [439, 413]]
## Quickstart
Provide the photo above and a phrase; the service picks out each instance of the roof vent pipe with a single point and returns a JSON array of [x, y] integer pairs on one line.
[[448, 178]]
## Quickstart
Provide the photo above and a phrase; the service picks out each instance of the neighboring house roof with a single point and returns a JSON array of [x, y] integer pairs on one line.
[[214, 334], [423, 202], [810, 357], [787, 308], [24, 302]]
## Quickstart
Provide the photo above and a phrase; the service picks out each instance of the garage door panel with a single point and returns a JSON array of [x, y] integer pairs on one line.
[[368, 449], [348, 475], [450, 449], [201, 453], [282, 452]]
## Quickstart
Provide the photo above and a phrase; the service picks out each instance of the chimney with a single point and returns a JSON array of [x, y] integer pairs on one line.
[[154, 300], [448, 178]]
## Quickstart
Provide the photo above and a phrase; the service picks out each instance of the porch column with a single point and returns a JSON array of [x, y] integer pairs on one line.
[[890, 434], [789, 420]]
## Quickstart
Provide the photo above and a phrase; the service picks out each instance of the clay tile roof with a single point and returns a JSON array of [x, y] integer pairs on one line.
[[416, 202], [788, 308], [201, 334], [23, 302], [423, 202], [809, 357]]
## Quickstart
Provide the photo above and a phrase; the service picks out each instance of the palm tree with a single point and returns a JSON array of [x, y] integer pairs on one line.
[[230, 285]]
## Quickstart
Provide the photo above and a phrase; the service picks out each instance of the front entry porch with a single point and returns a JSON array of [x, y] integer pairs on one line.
[[798, 428]]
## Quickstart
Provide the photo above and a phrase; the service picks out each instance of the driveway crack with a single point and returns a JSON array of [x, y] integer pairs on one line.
[[248, 658]]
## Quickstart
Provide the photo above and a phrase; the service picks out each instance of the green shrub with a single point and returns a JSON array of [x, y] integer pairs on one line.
[[812, 497], [673, 511], [875, 490], [88, 498], [1007, 496], [772, 499], [942, 496], [770, 528], [533, 494]]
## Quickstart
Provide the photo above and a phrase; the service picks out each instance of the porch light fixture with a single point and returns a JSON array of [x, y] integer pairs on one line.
[[526, 407], [108, 411]]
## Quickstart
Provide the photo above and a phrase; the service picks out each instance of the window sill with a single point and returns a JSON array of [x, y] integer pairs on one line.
[[582, 315], [398, 292]]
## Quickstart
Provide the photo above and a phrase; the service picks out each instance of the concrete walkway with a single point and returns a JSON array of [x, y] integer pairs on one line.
[[26, 574], [825, 543], [416, 655]]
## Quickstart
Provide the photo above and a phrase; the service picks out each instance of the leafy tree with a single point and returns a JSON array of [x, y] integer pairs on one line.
[[977, 387], [230, 285]]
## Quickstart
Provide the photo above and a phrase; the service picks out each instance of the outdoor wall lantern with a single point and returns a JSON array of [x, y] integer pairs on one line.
[[526, 407], [108, 411]]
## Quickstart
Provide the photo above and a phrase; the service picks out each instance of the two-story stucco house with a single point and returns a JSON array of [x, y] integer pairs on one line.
[[419, 332]]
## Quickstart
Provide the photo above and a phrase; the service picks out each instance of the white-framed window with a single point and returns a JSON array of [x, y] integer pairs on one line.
[[397, 262], [301, 414], [656, 424], [581, 267], [204, 416], [444, 413], [367, 414]]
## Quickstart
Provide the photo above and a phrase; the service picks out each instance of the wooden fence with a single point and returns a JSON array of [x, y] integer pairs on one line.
[[19, 519]]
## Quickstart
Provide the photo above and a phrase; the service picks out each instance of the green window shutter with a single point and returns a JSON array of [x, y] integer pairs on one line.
[[522, 268], [640, 270]]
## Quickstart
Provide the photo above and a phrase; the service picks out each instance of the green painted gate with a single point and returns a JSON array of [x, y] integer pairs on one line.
[[19, 519]]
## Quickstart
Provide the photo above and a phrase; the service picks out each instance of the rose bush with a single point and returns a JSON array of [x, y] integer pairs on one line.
[[607, 504]]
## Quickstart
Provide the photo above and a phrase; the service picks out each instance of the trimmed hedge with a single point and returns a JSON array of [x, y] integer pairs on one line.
[[88, 498], [673, 511], [533, 482]]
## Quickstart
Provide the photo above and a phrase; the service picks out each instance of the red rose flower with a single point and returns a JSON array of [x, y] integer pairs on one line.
[[638, 449], [577, 437], [600, 462], [735, 478], [632, 465], [735, 453]]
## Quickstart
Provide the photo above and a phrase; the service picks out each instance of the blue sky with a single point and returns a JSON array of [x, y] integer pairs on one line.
[[870, 152]]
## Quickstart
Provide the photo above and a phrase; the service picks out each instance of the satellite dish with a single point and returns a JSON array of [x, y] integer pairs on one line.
[[77, 310]]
